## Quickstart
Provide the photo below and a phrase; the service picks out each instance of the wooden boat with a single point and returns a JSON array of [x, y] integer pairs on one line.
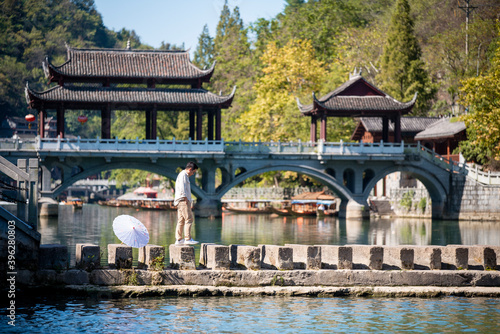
[[157, 204], [252, 206], [75, 202], [314, 204], [284, 209]]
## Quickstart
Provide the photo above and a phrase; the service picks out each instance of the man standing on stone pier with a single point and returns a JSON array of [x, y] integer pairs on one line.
[[183, 202]]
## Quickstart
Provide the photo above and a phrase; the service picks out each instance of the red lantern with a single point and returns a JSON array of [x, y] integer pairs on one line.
[[29, 118], [82, 119]]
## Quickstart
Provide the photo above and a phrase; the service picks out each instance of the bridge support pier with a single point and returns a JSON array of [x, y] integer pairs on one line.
[[356, 209], [208, 208], [437, 210]]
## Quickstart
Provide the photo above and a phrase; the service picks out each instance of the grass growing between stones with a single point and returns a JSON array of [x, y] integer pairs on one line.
[[277, 280], [157, 263]]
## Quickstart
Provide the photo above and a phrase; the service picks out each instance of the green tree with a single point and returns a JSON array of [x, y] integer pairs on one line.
[[235, 67], [402, 71], [481, 96], [204, 53]]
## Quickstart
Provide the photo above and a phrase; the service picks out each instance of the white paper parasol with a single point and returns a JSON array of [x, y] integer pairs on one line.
[[130, 231]]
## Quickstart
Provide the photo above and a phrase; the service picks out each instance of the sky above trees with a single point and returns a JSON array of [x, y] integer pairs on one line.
[[178, 22]]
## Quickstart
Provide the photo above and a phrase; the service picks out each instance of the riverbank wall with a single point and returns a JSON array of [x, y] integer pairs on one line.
[[472, 200], [269, 270]]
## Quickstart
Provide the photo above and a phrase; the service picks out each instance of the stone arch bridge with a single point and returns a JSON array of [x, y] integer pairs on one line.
[[351, 170]]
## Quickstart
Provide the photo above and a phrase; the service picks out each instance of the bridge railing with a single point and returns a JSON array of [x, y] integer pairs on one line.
[[489, 177], [172, 145], [17, 144], [437, 159], [320, 147]]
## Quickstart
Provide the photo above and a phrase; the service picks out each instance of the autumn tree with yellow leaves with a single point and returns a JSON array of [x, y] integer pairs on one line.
[[289, 72]]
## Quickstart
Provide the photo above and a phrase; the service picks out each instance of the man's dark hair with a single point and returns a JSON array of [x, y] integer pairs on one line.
[[191, 165]]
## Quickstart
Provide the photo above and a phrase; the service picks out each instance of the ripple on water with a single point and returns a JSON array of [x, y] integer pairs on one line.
[[257, 315]]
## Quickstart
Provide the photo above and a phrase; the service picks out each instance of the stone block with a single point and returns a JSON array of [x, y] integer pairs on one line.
[[482, 258], [203, 254], [119, 256], [276, 257], [182, 257], [107, 277], [398, 257], [52, 256], [151, 257], [218, 257], [245, 257], [454, 257], [88, 257], [427, 257], [336, 257], [76, 277], [306, 257], [367, 257]]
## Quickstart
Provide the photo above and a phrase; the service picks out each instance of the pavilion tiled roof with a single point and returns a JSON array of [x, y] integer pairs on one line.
[[441, 129], [168, 98], [408, 124], [367, 100], [116, 64]]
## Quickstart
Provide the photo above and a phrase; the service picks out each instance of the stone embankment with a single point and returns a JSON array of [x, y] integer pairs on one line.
[[295, 270]]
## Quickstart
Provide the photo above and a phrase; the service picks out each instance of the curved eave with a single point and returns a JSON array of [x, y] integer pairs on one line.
[[139, 97], [306, 110], [403, 107]]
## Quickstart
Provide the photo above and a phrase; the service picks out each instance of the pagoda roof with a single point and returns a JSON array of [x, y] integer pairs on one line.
[[355, 98], [410, 126], [127, 65], [130, 98], [443, 128]]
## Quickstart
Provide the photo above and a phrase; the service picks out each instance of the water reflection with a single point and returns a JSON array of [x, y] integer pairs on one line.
[[93, 224], [244, 315]]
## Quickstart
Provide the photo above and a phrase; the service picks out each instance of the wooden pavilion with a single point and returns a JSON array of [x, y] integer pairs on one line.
[[357, 98], [126, 79]]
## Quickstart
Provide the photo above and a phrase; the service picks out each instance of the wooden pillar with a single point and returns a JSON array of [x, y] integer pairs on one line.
[[154, 129], [210, 127], [397, 128], [218, 125], [42, 115], [106, 122], [199, 124], [148, 124], [192, 118], [322, 130], [385, 129], [60, 122], [313, 129]]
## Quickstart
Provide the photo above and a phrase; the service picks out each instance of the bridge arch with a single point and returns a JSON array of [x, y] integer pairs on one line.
[[319, 175], [154, 168], [436, 189]]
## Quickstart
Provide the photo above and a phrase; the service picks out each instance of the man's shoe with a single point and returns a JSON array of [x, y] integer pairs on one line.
[[190, 242], [179, 242]]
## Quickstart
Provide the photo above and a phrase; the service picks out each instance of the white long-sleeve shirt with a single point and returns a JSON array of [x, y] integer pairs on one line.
[[182, 188]]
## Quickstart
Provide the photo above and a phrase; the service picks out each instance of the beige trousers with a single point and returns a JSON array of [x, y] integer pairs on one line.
[[184, 220]]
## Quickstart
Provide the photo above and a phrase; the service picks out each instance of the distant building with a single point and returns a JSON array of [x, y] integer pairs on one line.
[[439, 134], [369, 130], [21, 128], [443, 137]]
